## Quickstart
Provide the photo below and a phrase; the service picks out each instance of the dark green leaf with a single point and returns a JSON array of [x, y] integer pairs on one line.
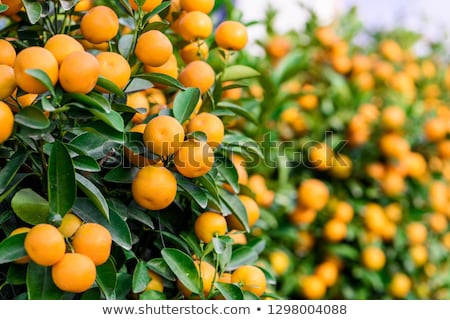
[[119, 229], [110, 86], [139, 215], [30, 207], [228, 171], [93, 193], [86, 163], [152, 295], [8, 172], [107, 279], [17, 274], [184, 103], [209, 183], [238, 110], [239, 72], [93, 99], [140, 277], [197, 135], [42, 77], [242, 256], [18, 178], [230, 291], [32, 117], [159, 266], [92, 144], [161, 79], [183, 267], [40, 285], [3, 7], [157, 10], [121, 175], [12, 248], [61, 180], [137, 84], [193, 191], [235, 205]]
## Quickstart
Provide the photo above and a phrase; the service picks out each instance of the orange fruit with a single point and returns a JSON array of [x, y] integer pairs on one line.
[[438, 222], [373, 258], [328, 272], [393, 212], [163, 135], [84, 5], [155, 283], [326, 35], [79, 72], [138, 101], [374, 218], [115, 68], [393, 117], [393, 145], [231, 35], [154, 188], [35, 58], [14, 7], [7, 53], [438, 196], [419, 254], [7, 81], [238, 236], [416, 233], [321, 156], [208, 225], [204, 6], [135, 158], [44, 244], [313, 193], [335, 230], [198, 74], [194, 158], [74, 273], [343, 212], [195, 25], [62, 45], [153, 48], [435, 129], [278, 46], [207, 275], [302, 215], [94, 241], [341, 166], [209, 124], [279, 261], [444, 149], [400, 285], [69, 225], [308, 100], [99, 24], [313, 287], [250, 278], [197, 50], [391, 50], [20, 230], [393, 184], [169, 68], [148, 5], [253, 213]]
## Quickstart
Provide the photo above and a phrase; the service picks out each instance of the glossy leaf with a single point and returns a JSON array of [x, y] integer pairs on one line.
[[86, 163], [161, 79], [235, 205], [237, 109], [110, 86], [61, 180], [93, 193], [107, 279], [160, 266], [42, 77], [140, 277], [30, 207], [239, 72], [230, 291], [183, 267], [193, 191], [185, 103], [121, 175], [12, 248], [228, 171], [242, 256], [40, 285], [8, 172], [32, 117]]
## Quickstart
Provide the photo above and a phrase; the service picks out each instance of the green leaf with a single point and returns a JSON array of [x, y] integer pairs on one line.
[[30, 207], [290, 66], [32, 117], [184, 103], [93, 193], [228, 171], [183, 267], [242, 256], [238, 110], [3, 7], [42, 76], [93, 99], [244, 143], [68, 4], [40, 285], [239, 72], [157, 10], [18, 178], [119, 229], [209, 183], [121, 175], [86, 163], [140, 277], [112, 118], [61, 180], [161, 79], [160, 266], [139, 215], [235, 205], [92, 144], [17, 274], [230, 291], [12, 248], [107, 279], [152, 295], [137, 84], [110, 86], [8, 172], [193, 191]]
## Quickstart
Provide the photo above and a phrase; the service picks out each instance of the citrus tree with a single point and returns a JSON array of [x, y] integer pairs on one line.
[[121, 176]]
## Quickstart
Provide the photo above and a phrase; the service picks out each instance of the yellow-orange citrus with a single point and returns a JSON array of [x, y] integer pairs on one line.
[[198, 74], [153, 48], [231, 35], [209, 124], [7, 53], [99, 24], [7, 81], [79, 72], [44, 244], [209, 224], [74, 273], [250, 278], [94, 241], [163, 135], [61, 45], [194, 158], [115, 68], [69, 225]]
